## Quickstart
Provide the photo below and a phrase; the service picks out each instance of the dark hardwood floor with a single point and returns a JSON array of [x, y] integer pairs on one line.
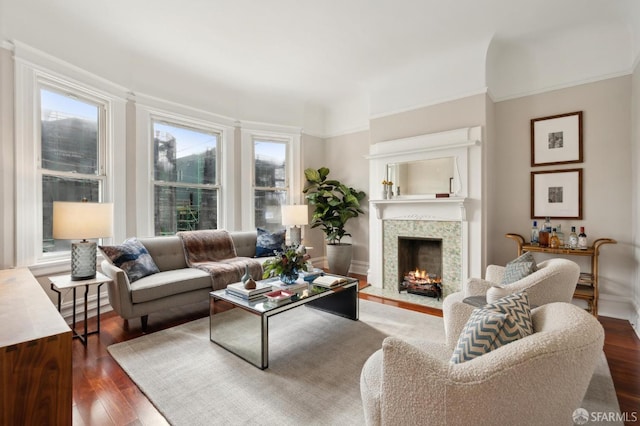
[[104, 395]]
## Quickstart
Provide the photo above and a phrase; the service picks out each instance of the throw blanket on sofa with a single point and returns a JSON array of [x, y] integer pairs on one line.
[[213, 251]]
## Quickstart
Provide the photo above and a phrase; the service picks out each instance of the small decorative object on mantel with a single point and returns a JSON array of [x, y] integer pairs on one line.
[[387, 189]]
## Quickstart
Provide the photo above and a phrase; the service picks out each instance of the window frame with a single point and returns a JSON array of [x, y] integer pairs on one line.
[[100, 175], [289, 136], [149, 109], [34, 71], [193, 127]]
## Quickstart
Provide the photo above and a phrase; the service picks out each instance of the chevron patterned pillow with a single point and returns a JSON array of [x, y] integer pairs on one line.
[[494, 325], [518, 308], [519, 268]]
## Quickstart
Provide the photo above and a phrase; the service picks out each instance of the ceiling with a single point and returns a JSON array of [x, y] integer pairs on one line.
[[320, 52]]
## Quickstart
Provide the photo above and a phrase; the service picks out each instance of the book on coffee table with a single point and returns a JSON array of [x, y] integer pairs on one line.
[[237, 289], [329, 281]]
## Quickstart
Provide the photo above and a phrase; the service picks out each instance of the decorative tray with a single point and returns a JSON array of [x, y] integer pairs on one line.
[[279, 296]]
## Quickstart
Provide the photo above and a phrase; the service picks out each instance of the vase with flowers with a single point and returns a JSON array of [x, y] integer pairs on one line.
[[287, 263]]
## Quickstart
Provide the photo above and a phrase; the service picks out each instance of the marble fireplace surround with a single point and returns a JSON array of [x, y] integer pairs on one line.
[[457, 219], [450, 232]]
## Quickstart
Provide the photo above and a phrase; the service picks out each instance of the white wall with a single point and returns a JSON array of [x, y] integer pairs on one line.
[[345, 158], [606, 178], [635, 192], [7, 183]]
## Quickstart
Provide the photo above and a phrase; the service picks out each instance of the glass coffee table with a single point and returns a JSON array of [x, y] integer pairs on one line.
[[244, 330]]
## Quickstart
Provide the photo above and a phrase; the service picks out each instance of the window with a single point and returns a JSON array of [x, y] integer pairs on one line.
[[270, 182], [72, 143], [186, 183]]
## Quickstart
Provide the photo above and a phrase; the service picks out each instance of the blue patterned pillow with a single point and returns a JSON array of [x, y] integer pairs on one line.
[[268, 242], [494, 325], [132, 257], [519, 268]]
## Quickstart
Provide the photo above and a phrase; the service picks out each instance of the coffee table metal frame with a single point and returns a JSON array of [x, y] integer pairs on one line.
[[252, 318]]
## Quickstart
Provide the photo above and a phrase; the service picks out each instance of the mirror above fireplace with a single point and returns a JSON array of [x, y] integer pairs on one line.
[[424, 177]]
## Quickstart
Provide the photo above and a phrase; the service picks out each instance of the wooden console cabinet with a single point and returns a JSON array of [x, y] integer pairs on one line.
[[35, 354], [587, 287]]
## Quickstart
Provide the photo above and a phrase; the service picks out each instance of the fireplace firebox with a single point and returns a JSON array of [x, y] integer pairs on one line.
[[420, 266]]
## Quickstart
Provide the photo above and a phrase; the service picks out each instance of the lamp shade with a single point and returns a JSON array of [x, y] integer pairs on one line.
[[295, 215], [72, 221]]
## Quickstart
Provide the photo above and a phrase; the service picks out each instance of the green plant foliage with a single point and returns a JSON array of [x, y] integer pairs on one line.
[[334, 202], [290, 258]]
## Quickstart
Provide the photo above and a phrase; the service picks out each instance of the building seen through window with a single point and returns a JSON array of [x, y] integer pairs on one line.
[[70, 156], [270, 186], [186, 187]]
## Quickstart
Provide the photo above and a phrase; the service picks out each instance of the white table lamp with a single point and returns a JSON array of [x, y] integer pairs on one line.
[[293, 216], [82, 221]]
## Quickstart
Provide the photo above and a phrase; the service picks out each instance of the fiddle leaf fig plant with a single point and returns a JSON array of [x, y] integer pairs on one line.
[[334, 202]]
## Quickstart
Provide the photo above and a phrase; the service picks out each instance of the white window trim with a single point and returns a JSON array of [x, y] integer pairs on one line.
[[291, 136], [149, 108], [32, 69]]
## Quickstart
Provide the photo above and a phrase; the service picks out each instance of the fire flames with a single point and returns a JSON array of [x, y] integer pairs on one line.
[[421, 277]]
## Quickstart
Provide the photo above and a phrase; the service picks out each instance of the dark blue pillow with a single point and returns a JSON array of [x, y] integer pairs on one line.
[[132, 257], [268, 242]]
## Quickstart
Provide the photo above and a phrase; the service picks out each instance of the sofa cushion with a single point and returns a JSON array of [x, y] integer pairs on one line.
[[269, 242], [494, 325], [519, 268], [167, 252], [169, 283], [132, 257], [245, 243]]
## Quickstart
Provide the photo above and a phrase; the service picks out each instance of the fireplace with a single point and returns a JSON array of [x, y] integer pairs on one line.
[[432, 246], [454, 222], [420, 266]]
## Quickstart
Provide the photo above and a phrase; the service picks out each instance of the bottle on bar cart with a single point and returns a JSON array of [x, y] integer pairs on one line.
[[573, 238], [535, 233], [554, 241], [582, 239]]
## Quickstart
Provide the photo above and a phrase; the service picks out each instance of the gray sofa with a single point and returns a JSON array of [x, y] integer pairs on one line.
[[175, 285]]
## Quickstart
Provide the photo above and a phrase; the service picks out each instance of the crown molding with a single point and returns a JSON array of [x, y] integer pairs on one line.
[[567, 85]]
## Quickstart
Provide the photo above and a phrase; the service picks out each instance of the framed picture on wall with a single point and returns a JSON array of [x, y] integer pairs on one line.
[[557, 194], [556, 139]]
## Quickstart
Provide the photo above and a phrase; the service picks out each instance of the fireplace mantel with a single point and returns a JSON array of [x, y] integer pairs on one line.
[[379, 205], [464, 205]]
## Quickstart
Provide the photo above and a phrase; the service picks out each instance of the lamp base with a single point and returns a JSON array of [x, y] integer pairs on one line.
[[83, 260], [295, 235]]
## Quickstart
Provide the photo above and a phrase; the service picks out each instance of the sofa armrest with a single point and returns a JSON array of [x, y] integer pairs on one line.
[[119, 290]]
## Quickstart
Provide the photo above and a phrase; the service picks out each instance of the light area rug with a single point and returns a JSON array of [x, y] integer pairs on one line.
[[313, 378]]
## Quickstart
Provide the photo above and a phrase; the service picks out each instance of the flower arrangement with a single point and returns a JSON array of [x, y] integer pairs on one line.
[[288, 261]]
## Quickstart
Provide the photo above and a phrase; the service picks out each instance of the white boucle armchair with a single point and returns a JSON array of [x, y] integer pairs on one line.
[[554, 281], [538, 380]]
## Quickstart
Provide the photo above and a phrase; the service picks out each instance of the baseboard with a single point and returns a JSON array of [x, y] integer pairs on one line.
[[617, 307], [66, 309], [635, 320], [359, 267]]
